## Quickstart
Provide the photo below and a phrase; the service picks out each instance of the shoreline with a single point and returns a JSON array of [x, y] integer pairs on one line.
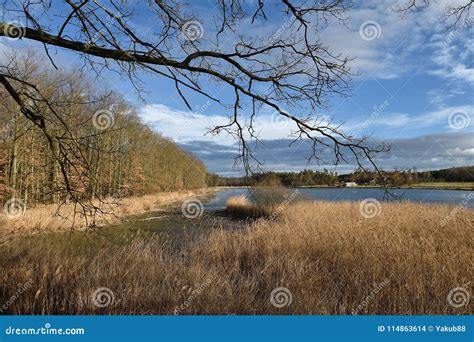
[[42, 218], [422, 187]]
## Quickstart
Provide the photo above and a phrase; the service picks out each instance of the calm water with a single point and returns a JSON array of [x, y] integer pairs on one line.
[[170, 222], [453, 197]]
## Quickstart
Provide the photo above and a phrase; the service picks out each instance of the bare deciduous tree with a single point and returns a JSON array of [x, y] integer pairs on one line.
[[291, 73], [457, 13], [88, 160]]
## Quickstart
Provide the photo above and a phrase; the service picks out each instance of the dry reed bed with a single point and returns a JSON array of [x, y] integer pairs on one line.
[[45, 218], [326, 254], [241, 206]]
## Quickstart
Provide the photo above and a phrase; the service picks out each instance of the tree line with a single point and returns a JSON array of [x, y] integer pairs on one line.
[[271, 178], [99, 146], [412, 176], [360, 176]]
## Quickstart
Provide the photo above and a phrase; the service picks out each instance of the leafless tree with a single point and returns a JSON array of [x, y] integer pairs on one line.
[[48, 102], [291, 73], [457, 13]]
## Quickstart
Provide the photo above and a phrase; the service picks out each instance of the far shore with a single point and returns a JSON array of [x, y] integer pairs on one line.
[[427, 185]]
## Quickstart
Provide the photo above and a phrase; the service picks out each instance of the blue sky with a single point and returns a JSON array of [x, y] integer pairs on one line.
[[412, 87]]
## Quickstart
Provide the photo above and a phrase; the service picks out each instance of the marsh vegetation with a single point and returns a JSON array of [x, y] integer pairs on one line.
[[327, 255]]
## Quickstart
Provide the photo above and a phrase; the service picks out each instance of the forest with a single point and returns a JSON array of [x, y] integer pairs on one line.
[[99, 146]]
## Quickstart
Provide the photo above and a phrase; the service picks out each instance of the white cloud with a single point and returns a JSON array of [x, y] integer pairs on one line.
[[404, 44], [180, 125], [426, 152], [185, 126], [461, 152], [438, 117], [451, 62]]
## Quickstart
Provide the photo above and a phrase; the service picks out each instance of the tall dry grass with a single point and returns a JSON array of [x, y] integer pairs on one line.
[[241, 206], [261, 201], [331, 259], [51, 218]]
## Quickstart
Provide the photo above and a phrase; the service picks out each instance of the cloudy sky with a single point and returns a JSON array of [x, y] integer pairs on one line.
[[412, 88]]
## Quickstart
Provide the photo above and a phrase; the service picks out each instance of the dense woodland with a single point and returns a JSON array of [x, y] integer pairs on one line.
[[100, 143], [362, 177]]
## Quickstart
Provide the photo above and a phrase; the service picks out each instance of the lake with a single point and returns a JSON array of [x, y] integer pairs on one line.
[[171, 222], [452, 197]]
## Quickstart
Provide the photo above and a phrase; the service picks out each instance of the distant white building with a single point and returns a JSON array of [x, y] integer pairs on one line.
[[351, 184]]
